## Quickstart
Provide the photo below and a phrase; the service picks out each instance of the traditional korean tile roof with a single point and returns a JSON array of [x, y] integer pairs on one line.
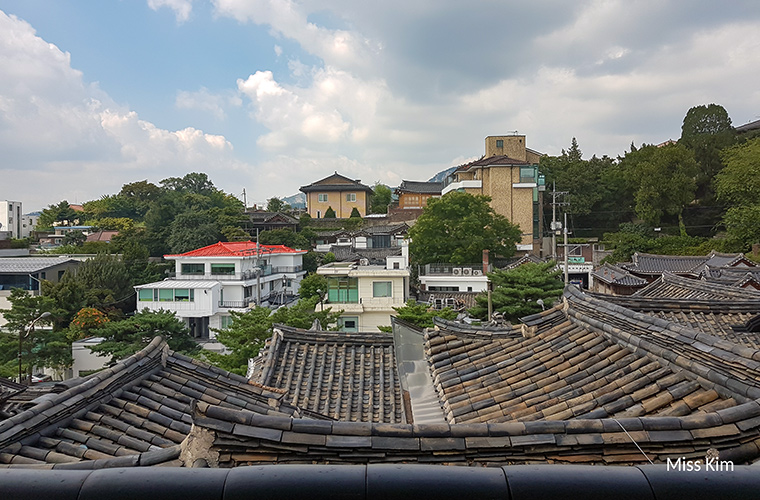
[[135, 413], [691, 265], [734, 276], [670, 286], [420, 187], [237, 249], [336, 182], [345, 376], [462, 300], [375, 256], [525, 259], [615, 275]]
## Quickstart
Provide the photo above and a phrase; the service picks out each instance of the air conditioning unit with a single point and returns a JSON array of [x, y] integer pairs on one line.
[[477, 272], [467, 271], [457, 271]]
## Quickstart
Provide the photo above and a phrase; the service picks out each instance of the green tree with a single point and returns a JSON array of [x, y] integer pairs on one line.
[[60, 214], [663, 180], [355, 213], [381, 198], [41, 347], [74, 238], [275, 204], [516, 291], [284, 237], [330, 213], [739, 185], [124, 338], [458, 227], [245, 336], [191, 230], [420, 314], [311, 284]]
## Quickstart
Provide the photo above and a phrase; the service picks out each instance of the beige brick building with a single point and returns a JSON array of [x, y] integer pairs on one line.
[[508, 174], [339, 193]]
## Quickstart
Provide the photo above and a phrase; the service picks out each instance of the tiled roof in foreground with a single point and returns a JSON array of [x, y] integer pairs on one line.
[[135, 413], [345, 376]]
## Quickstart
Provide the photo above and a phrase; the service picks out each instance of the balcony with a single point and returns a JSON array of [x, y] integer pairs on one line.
[[239, 304], [246, 275], [468, 184]]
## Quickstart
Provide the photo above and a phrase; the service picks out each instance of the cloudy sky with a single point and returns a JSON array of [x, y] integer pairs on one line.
[[270, 95]]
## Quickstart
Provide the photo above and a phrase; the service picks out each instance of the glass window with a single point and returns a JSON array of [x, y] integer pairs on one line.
[[182, 295], [146, 294], [343, 290], [382, 289], [166, 295], [322, 198], [499, 143], [527, 174], [351, 197], [348, 324], [192, 269], [226, 321], [223, 269]]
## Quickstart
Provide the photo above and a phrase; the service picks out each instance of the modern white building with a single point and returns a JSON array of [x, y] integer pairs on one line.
[[211, 281], [366, 294], [10, 218], [453, 278]]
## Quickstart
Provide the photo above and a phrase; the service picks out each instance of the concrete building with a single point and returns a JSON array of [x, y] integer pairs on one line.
[[366, 294], [211, 281], [508, 174], [10, 218], [339, 193]]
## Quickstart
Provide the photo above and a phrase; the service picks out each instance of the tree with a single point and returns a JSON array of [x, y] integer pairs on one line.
[[124, 338], [284, 237], [58, 214], [381, 198], [420, 314], [662, 179], [275, 204], [355, 213], [310, 286], [245, 336], [191, 230], [329, 213], [705, 131], [739, 184], [41, 347], [516, 291], [457, 228], [74, 238]]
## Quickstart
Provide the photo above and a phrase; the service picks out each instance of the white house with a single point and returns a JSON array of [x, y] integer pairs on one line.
[[10, 217], [453, 278], [211, 281], [366, 294]]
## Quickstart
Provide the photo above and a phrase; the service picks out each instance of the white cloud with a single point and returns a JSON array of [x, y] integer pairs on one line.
[[203, 100], [181, 8], [64, 139]]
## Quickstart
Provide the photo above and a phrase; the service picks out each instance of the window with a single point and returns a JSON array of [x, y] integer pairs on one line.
[[226, 269], [343, 290], [182, 295], [527, 174], [396, 265], [348, 324], [146, 295], [193, 269], [499, 143], [382, 289], [350, 196], [322, 198], [166, 295], [226, 321]]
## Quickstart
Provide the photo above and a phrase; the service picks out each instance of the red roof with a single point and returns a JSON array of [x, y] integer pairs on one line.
[[236, 249]]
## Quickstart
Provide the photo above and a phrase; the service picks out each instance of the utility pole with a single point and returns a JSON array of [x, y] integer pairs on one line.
[[245, 201], [565, 252], [555, 225], [258, 270]]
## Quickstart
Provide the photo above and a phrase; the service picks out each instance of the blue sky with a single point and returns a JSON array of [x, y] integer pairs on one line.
[[270, 95]]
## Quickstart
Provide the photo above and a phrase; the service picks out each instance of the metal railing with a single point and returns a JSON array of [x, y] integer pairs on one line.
[[245, 275]]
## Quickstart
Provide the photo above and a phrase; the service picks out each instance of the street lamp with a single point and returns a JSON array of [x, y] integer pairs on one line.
[[25, 335]]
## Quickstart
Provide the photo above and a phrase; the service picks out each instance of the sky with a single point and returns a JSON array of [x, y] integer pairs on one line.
[[270, 95]]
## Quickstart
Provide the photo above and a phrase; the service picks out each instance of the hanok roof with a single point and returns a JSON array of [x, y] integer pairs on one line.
[[375, 256], [26, 265], [336, 182], [735, 276], [237, 249], [493, 161], [135, 413], [420, 187], [692, 265], [346, 376], [525, 259], [615, 275], [671, 286], [271, 217]]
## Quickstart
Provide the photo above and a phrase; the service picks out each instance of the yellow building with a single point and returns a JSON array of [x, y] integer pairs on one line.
[[339, 193], [508, 174]]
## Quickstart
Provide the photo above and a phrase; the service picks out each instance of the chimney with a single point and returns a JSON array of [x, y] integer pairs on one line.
[[485, 261]]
